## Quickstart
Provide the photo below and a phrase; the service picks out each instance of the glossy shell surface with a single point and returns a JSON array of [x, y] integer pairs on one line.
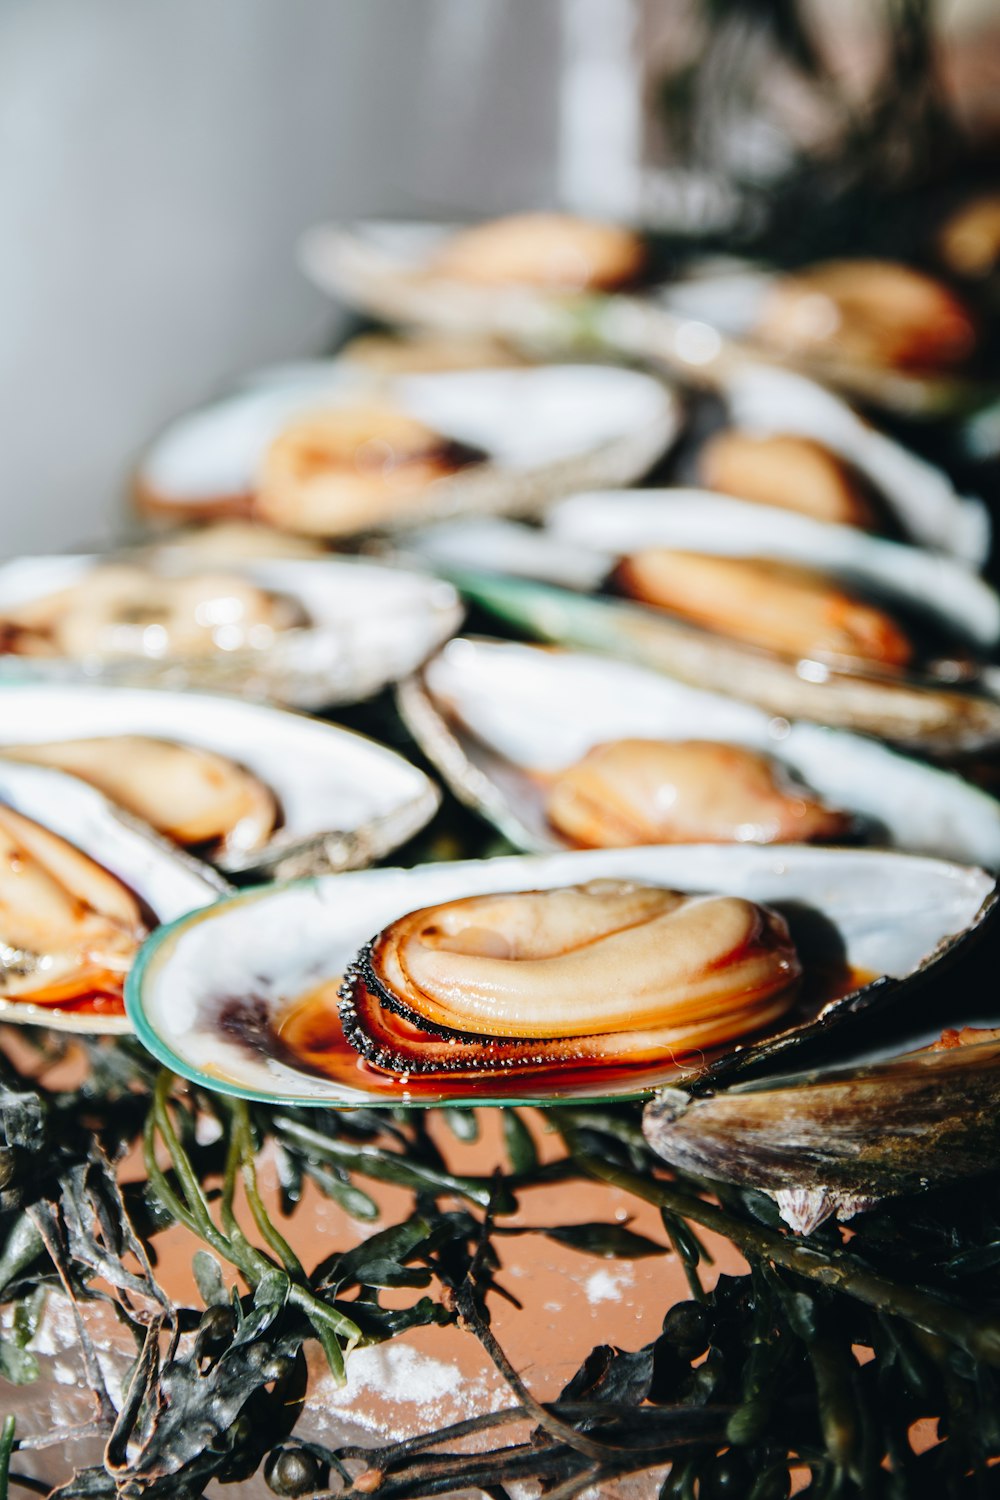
[[367, 625], [883, 914], [167, 882], [344, 801], [498, 718], [543, 432]]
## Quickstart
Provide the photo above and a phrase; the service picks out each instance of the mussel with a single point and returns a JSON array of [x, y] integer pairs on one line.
[[789, 471], [872, 312], [194, 796], [69, 930], [560, 747], [352, 468], [244, 997], [557, 252], [792, 610], [969, 240], [838, 1143], [608, 972], [631, 791], [124, 611], [302, 631]]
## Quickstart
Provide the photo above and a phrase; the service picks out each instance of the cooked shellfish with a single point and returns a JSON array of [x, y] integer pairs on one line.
[[367, 625], [117, 611], [599, 973], [243, 998], [351, 469], [788, 471], [505, 722], [68, 930], [257, 788], [79, 890], [630, 791], [333, 450], [193, 796], [796, 612], [869, 312], [556, 251], [969, 241]]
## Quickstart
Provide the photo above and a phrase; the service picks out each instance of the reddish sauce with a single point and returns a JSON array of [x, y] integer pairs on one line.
[[310, 1036]]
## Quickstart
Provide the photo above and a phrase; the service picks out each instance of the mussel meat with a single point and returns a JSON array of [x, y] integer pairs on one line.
[[637, 791], [69, 930], [969, 242], [556, 252], [874, 312], [125, 611], [194, 796], [350, 468], [780, 607], [611, 972], [788, 471]]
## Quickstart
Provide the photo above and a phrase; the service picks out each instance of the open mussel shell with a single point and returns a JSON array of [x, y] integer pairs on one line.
[[500, 719], [539, 433], [365, 625], [840, 1141], [165, 881], [730, 298], [343, 801], [916, 714], [955, 600], [701, 326], [919, 497], [208, 996]]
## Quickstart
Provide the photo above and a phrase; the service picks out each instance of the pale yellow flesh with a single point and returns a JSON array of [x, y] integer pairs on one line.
[[125, 611], [693, 791], [795, 611], [588, 960], [787, 471], [347, 469], [59, 907], [193, 796], [555, 251]]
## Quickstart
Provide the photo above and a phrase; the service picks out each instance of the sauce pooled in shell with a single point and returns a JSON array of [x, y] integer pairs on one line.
[[608, 973], [69, 930]]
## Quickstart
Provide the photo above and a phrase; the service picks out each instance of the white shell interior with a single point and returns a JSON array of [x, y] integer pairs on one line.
[[497, 712], [766, 400], [343, 798], [168, 882], [523, 419], [891, 913], [617, 522], [370, 625]]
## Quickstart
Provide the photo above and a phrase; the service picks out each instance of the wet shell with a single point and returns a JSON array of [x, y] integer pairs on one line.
[[364, 625], [240, 998], [916, 714], [86, 883], [328, 449], [839, 1142], [501, 721], [337, 800]]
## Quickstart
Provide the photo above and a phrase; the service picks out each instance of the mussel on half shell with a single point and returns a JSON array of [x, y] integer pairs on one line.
[[80, 888], [244, 997]]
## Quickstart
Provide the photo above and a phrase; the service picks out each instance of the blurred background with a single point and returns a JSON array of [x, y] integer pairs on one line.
[[159, 161]]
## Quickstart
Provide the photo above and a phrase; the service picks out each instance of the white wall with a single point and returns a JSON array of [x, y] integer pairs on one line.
[[158, 159]]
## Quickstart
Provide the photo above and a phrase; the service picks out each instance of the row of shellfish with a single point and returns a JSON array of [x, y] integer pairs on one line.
[[737, 850]]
